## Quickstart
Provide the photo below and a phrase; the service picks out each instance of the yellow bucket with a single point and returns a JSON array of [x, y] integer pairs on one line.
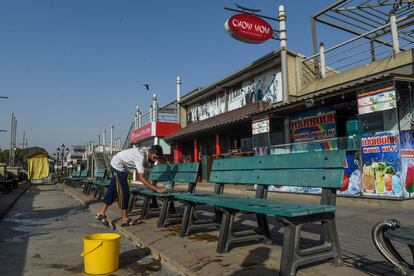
[[101, 253]]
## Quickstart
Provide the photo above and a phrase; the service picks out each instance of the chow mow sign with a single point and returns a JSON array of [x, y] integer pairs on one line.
[[248, 28]]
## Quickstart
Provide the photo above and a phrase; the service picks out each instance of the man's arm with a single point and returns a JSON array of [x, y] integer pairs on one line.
[[144, 181]]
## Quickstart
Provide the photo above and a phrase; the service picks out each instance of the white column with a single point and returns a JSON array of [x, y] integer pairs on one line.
[[394, 33], [322, 56], [178, 99], [112, 139]]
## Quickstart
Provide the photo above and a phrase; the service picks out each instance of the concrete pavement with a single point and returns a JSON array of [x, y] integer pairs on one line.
[[196, 254], [43, 232]]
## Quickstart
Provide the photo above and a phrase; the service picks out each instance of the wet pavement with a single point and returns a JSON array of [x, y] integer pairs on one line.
[[43, 235]]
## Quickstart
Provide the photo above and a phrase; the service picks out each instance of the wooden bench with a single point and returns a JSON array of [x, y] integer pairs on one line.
[[75, 175], [78, 180], [6, 184], [390, 230], [312, 169], [181, 172], [89, 182]]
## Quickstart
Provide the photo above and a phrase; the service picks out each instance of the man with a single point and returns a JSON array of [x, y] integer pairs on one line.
[[139, 159]]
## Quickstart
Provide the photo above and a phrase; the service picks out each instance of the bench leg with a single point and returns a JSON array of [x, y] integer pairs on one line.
[[290, 239], [164, 212], [332, 236], [263, 225], [187, 216], [225, 227], [131, 202], [101, 192], [145, 208]]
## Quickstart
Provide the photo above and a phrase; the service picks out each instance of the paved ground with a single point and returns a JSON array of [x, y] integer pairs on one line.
[[42, 235], [196, 254]]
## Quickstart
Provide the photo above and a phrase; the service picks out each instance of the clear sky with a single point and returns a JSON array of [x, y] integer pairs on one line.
[[71, 68]]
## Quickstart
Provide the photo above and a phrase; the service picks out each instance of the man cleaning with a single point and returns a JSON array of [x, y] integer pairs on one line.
[[139, 159]]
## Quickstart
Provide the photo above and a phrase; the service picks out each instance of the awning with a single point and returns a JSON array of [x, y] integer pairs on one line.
[[219, 121]]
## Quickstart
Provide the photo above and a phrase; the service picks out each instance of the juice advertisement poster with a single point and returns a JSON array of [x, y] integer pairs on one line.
[[381, 165], [407, 162], [351, 184]]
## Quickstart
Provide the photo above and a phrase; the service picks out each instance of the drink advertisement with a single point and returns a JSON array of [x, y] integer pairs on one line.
[[407, 162], [381, 169], [351, 184], [309, 128]]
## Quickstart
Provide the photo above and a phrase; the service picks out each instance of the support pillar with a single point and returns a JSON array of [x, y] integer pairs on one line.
[[196, 159], [218, 146]]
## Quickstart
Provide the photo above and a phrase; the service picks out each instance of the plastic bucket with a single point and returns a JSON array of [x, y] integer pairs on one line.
[[101, 253]]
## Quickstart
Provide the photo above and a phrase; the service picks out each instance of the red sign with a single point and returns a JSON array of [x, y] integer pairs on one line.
[[158, 129], [248, 28], [165, 128], [140, 133]]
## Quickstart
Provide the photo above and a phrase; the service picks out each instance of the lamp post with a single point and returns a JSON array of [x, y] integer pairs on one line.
[[61, 153]]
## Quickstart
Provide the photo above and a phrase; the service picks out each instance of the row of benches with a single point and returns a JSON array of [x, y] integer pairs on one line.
[[313, 169]]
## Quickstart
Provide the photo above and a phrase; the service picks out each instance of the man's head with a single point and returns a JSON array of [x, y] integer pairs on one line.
[[155, 153]]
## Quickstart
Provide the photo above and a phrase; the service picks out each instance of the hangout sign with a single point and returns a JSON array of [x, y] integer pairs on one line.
[[248, 28]]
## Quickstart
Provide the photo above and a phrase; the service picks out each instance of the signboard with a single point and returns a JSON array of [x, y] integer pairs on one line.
[[260, 126], [314, 125], [248, 28], [407, 161], [381, 165], [140, 133], [377, 100]]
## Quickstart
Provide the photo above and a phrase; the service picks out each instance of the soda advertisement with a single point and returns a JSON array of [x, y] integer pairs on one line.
[[407, 162], [351, 184], [377, 100], [309, 128], [381, 169]]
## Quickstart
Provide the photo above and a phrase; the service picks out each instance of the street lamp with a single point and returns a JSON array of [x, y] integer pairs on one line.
[[61, 152]]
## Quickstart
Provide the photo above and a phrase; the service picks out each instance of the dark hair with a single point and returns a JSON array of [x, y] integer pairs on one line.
[[157, 149]]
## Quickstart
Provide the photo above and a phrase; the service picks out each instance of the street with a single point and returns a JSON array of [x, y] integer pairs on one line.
[[43, 235]]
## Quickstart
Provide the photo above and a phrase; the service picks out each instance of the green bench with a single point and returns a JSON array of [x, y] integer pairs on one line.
[[89, 183], [312, 169], [6, 184], [70, 179], [78, 180], [181, 172]]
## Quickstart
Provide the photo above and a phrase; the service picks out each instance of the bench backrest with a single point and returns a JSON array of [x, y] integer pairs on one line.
[[76, 173], [322, 169], [180, 172], [99, 174], [84, 173]]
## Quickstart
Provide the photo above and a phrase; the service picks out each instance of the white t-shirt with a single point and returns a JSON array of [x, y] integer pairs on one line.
[[131, 160]]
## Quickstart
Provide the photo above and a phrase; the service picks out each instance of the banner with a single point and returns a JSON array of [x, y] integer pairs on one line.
[[351, 184], [314, 125], [381, 165], [260, 126]]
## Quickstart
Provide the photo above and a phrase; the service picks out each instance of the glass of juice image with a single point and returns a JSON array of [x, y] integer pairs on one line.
[[388, 182], [409, 177], [368, 180], [379, 176]]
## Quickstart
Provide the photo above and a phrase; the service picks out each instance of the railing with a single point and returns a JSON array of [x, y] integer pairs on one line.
[[378, 43]]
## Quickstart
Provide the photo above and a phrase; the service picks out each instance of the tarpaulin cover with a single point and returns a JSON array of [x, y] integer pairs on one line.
[[38, 167]]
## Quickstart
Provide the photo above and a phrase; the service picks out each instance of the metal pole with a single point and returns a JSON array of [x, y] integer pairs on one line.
[[372, 48], [112, 138], [104, 140], [283, 53], [11, 140], [155, 107], [24, 134], [394, 33], [178, 99], [14, 141], [322, 56]]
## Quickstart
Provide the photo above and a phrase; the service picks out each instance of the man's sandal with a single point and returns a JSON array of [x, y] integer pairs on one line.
[[102, 219], [129, 222]]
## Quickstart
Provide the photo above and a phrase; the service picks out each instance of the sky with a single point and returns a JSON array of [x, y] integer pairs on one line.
[[72, 68]]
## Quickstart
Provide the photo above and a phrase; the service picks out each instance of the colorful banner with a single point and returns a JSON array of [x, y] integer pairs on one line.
[[381, 165], [407, 161], [377, 100], [314, 125]]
